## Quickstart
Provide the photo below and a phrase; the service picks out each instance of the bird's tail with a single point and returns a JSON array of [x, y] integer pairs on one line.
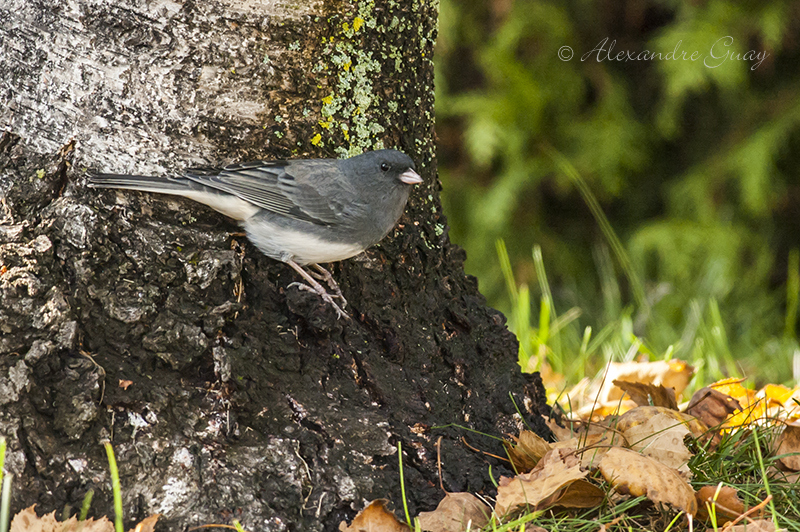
[[227, 204], [144, 183]]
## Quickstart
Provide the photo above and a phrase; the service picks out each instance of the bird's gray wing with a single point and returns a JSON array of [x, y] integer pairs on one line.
[[281, 187], [320, 188]]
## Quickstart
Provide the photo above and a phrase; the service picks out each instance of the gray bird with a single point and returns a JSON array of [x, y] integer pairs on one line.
[[301, 212]]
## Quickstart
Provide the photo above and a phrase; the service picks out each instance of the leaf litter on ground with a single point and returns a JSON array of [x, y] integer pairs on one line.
[[633, 440]]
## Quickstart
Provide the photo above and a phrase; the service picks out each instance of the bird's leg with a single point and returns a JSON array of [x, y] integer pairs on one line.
[[314, 286], [326, 276]]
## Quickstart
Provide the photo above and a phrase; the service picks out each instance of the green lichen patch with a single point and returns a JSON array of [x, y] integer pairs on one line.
[[370, 57]]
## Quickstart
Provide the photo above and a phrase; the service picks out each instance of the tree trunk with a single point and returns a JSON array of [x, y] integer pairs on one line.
[[147, 321]]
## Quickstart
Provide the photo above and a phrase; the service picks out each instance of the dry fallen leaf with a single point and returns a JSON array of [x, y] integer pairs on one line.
[[600, 398], [631, 473], [789, 445], [772, 401], [758, 525], [147, 524], [542, 486], [641, 414], [646, 394], [591, 448], [661, 438], [673, 374], [580, 494], [374, 518], [786, 405], [789, 477], [724, 499], [526, 451], [733, 386], [711, 406], [777, 393], [568, 430], [530, 527], [578, 428], [455, 512], [28, 521]]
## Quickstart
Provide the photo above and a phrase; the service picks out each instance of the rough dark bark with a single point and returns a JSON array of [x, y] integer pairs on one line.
[[143, 320]]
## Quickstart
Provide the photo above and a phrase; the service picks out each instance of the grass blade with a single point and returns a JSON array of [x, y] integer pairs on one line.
[[403, 483], [115, 486], [87, 503], [567, 169], [792, 293], [505, 267], [5, 503]]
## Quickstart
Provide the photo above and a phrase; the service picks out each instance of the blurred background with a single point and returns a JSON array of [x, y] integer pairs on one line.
[[663, 194]]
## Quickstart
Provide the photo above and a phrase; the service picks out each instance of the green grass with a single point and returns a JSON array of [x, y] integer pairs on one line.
[[575, 349]]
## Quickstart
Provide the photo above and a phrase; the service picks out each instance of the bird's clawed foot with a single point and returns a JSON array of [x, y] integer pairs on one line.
[[325, 275], [314, 286]]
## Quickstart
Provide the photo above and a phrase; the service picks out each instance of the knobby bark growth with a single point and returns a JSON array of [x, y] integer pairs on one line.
[[149, 322]]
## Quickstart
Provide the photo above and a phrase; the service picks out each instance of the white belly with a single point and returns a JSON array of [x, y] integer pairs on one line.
[[285, 244]]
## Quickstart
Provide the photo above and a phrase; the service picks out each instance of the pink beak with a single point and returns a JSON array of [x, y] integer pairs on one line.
[[410, 177]]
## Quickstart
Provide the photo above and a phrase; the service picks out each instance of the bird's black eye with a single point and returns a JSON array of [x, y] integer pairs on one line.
[[385, 167]]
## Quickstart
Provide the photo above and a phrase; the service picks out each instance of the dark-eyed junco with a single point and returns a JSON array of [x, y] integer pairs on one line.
[[301, 212]]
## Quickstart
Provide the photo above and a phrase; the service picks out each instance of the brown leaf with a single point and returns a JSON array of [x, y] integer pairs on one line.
[[789, 444], [374, 518], [641, 414], [646, 394], [455, 512], [591, 448], [673, 374], [555, 471], [711, 406], [757, 525], [28, 521], [580, 494], [724, 499], [526, 451], [576, 428], [661, 438], [566, 431], [148, 524], [788, 477], [530, 527], [631, 473]]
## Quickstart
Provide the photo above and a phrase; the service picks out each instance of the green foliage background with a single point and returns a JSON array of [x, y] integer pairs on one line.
[[695, 166]]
